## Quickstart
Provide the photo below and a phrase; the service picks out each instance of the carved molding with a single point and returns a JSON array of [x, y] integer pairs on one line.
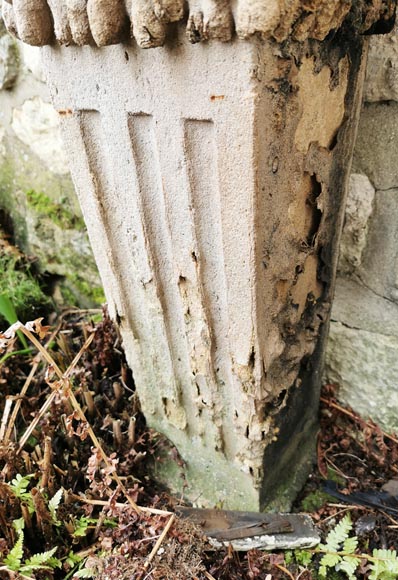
[[105, 22]]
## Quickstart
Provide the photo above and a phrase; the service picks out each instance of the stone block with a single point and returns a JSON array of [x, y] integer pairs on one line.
[[365, 366], [376, 148], [379, 267], [36, 192], [357, 306], [357, 213], [362, 352]]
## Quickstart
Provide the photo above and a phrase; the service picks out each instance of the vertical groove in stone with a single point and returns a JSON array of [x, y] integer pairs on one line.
[[93, 143], [85, 147], [158, 245], [201, 155], [131, 253]]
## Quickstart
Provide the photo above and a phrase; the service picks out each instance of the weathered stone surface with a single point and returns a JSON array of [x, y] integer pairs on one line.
[[376, 149], [36, 123], [357, 213], [9, 59], [2, 145], [365, 365], [362, 352], [33, 21], [31, 60], [209, 198], [106, 22], [381, 82], [359, 307], [379, 268]]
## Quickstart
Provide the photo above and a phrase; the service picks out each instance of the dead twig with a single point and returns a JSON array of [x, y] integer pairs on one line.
[[285, 570], [46, 463], [64, 386], [29, 378], [4, 419], [43, 409], [159, 542], [101, 502], [356, 418]]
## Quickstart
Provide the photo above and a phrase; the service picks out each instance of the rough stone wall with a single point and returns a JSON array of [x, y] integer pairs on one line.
[[36, 191], [362, 355]]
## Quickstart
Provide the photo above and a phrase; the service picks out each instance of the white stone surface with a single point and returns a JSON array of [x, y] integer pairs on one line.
[[365, 365], [31, 59], [36, 123], [357, 213], [304, 536]]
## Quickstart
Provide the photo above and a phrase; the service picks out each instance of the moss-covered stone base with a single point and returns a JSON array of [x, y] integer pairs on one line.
[[48, 225]]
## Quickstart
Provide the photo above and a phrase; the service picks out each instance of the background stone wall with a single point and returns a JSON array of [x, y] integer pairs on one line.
[[36, 190], [362, 355], [35, 186]]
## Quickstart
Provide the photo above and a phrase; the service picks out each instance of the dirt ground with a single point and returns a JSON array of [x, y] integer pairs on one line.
[[73, 423]]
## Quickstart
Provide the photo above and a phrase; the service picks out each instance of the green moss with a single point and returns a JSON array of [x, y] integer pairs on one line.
[[47, 223], [18, 284], [84, 288], [57, 212], [313, 501]]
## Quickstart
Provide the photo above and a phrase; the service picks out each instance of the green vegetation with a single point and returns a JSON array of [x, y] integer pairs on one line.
[[57, 212], [19, 289], [93, 293], [14, 560], [340, 558]]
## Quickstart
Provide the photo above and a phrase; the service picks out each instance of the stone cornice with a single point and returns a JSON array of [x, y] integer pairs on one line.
[[104, 22]]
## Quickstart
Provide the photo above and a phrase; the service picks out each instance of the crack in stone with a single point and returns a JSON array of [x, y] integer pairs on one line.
[[361, 329], [374, 291]]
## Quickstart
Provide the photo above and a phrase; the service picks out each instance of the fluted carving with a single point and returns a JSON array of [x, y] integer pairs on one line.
[[104, 22]]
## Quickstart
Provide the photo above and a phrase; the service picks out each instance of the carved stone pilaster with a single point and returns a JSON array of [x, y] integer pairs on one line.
[[212, 180]]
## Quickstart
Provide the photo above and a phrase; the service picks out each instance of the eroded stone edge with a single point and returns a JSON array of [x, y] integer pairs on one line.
[[105, 22]]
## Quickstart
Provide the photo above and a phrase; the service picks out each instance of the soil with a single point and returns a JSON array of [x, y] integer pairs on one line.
[[93, 429]]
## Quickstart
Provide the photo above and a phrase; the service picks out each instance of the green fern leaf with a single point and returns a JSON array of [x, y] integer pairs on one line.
[[338, 535], [386, 565], [53, 505], [85, 573], [349, 564], [20, 484], [14, 557], [329, 561], [350, 545], [41, 560]]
